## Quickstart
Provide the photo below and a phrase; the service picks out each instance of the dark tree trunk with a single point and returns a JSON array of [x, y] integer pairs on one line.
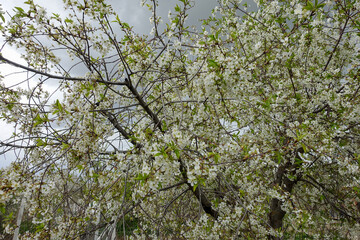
[[276, 214], [205, 203]]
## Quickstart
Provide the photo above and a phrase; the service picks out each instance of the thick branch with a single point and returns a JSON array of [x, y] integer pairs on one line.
[[205, 203], [276, 214], [144, 105], [336, 45], [15, 145], [118, 127], [55, 76]]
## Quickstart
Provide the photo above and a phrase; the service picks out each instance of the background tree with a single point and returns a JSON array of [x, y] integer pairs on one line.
[[246, 129]]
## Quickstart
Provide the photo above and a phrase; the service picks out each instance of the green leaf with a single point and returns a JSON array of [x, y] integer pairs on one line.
[[40, 142], [2, 17], [2, 208], [38, 120], [356, 189], [242, 192], [164, 125], [68, 20], [12, 31], [321, 5], [65, 145], [10, 106], [299, 135], [212, 63], [176, 20], [280, 20], [298, 161], [125, 25], [309, 6], [278, 157], [19, 9], [142, 177], [304, 147], [58, 105], [40, 227], [216, 156], [177, 153], [212, 38], [177, 8]]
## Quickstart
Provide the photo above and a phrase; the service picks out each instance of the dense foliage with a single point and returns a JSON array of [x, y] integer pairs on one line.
[[248, 128]]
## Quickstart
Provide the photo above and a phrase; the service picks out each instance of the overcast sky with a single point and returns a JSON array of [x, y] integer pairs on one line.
[[129, 11]]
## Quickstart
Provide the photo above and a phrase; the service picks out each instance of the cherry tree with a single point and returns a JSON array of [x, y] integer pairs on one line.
[[247, 128]]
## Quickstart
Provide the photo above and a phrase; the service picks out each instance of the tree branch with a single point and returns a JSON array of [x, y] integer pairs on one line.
[[3, 59]]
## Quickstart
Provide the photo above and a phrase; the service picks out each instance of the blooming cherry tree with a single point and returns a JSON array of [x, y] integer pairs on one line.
[[246, 129]]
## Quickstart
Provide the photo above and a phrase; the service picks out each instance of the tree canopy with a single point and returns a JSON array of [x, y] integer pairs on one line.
[[247, 128]]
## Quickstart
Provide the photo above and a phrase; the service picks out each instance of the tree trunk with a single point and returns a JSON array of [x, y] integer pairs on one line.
[[276, 214]]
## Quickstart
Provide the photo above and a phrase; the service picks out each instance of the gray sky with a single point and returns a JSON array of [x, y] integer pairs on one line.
[[130, 11]]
